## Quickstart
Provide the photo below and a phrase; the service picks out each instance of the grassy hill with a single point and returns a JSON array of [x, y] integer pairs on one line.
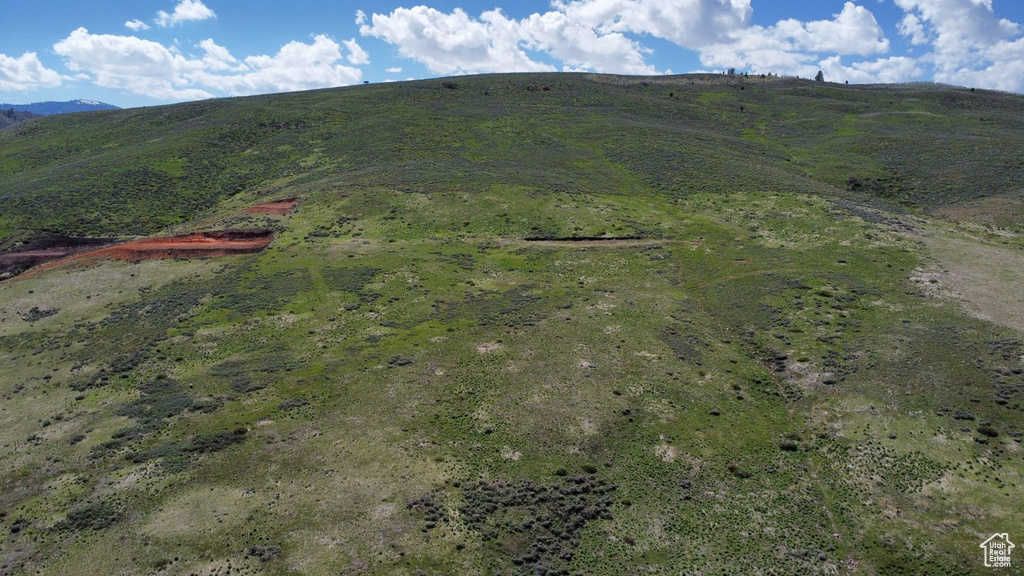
[[11, 116], [522, 324]]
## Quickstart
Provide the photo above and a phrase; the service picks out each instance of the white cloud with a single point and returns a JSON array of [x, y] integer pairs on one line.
[[219, 58], [600, 35], [454, 43], [580, 47], [356, 55], [969, 44], [296, 66], [882, 70], [796, 48], [394, 70], [960, 23], [912, 28], [185, 11], [26, 73], [852, 31], [136, 25], [688, 23], [132, 64], [152, 69]]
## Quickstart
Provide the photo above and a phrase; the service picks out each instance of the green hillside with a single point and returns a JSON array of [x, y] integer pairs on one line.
[[522, 324]]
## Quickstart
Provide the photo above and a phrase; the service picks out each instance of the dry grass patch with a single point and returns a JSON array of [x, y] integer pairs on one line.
[[996, 212], [988, 279]]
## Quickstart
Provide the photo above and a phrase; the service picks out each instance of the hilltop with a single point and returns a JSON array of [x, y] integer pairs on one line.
[[517, 324]]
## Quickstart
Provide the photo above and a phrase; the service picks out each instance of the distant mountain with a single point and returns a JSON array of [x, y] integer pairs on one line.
[[50, 108], [9, 116]]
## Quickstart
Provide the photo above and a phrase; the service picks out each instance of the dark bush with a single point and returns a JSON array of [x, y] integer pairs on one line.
[[216, 441], [265, 553], [738, 472], [96, 516], [988, 431], [788, 445], [37, 313], [293, 403]]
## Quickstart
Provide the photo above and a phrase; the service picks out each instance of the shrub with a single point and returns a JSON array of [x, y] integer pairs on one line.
[[738, 472], [292, 403], [216, 441], [988, 431], [37, 313], [96, 516], [788, 445], [265, 553]]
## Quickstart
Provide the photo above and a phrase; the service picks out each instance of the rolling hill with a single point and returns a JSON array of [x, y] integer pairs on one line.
[[50, 107], [516, 324], [11, 116]]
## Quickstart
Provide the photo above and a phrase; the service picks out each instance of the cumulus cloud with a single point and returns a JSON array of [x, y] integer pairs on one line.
[[968, 42], [601, 35], [185, 11], [26, 73], [688, 23], [151, 69], [852, 31], [580, 47], [130, 63], [882, 70], [296, 66], [793, 47], [963, 41], [218, 58], [356, 55], [136, 25], [912, 28], [456, 43], [453, 43]]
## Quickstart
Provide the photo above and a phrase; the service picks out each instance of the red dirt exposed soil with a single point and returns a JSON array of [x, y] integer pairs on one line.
[[45, 249], [279, 207], [197, 245]]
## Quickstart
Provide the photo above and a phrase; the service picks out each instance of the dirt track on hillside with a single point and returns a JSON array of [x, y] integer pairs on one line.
[[278, 207], [44, 249], [197, 245]]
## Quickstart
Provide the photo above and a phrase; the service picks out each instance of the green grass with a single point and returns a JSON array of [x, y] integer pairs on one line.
[[389, 387]]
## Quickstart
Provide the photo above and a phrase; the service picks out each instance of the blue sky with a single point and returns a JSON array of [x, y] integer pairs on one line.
[[144, 52]]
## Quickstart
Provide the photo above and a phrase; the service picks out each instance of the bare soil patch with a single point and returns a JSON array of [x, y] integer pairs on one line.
[[46, 249], [488, 347], [988, 279], [998, 212], [197, 245], [278, 207]]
